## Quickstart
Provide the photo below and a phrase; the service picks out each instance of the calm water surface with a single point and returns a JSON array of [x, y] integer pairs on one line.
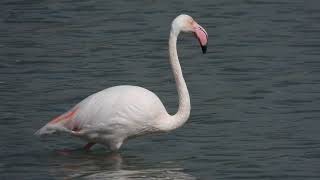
[[255, 94]]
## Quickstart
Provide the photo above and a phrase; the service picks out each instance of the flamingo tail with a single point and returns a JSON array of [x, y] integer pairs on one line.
[[58, 124]]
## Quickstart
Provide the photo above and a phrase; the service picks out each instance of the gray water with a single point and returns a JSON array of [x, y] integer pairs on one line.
[[255, 94]]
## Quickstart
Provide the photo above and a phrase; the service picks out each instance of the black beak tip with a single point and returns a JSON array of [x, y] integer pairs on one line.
[[204, 49]]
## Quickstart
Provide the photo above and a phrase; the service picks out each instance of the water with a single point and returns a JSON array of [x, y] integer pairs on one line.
[[255, 94]]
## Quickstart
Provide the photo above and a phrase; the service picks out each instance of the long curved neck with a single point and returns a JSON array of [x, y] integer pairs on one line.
[[183, 113]]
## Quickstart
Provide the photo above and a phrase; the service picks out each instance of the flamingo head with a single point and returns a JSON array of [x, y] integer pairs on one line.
[[186, 23]]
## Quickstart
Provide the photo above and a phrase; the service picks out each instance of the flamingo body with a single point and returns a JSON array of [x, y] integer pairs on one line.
[[112, 115]]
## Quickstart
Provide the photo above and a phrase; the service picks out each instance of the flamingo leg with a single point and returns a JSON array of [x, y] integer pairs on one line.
[[88, 146]]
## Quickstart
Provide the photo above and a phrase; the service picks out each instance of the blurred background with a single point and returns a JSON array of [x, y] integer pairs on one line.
[[255, 94]]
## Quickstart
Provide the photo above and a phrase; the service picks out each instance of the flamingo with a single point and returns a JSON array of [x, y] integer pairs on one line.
[[113, 115]]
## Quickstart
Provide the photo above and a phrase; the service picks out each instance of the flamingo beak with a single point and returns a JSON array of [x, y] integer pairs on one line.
[[202, 37]]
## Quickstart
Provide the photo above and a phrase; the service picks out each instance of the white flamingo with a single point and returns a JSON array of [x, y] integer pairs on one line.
[[111, 116]]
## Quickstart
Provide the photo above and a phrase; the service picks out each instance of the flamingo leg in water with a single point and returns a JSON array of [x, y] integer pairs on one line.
[[88, 146]]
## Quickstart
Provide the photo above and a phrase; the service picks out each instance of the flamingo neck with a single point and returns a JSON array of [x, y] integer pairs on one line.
[[183, 113]]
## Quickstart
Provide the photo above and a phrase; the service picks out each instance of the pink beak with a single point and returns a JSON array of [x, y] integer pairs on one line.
[[202, 36]]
